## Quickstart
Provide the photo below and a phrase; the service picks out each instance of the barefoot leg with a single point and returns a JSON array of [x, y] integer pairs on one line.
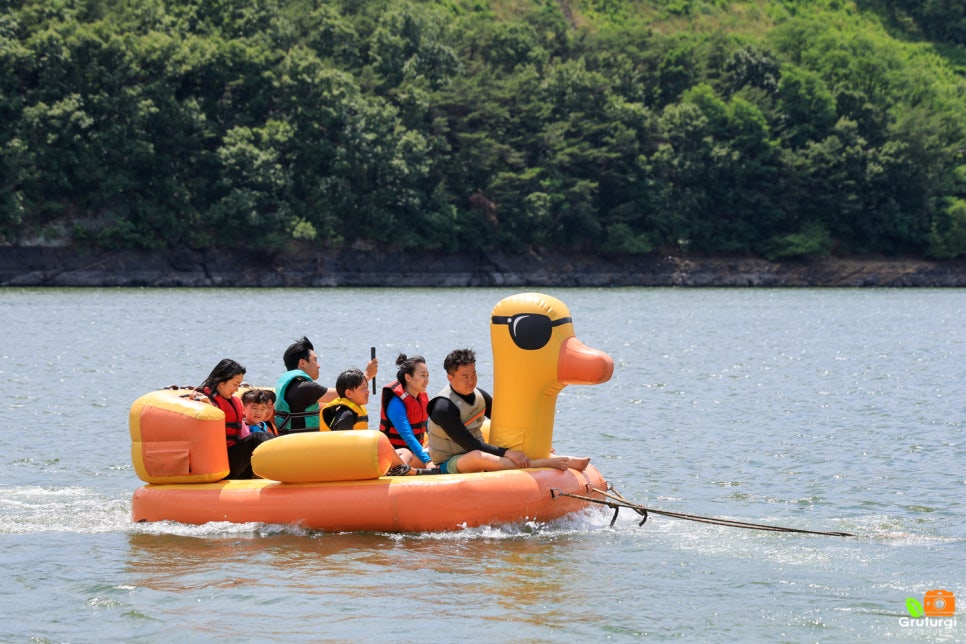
[[556, 462], [562, 462]]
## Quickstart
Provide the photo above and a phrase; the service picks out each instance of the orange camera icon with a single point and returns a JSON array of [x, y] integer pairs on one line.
[[939, 603]]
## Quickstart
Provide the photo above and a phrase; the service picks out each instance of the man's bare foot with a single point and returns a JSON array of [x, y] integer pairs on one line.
[[559, 462], [579, 464], [556, 462]]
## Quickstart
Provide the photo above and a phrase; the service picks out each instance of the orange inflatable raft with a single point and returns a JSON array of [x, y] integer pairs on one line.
[[334, 481]]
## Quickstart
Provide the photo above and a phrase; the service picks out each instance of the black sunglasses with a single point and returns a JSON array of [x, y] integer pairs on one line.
[[529, 331]]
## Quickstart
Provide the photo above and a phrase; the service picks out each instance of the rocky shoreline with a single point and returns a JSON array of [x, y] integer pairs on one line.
[[41, 266]]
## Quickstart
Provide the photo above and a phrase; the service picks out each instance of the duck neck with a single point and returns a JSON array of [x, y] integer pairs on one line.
[[523, 418]]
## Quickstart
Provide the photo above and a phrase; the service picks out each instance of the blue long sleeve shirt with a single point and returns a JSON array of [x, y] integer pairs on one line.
[[396, 411]]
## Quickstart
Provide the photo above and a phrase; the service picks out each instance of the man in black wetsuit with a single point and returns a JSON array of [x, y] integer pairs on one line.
[[456, 417]]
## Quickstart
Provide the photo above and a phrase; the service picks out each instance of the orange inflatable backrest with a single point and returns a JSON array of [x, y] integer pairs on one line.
[[177, 440]]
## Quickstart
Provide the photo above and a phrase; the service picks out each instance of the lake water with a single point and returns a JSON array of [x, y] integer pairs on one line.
[[817, 409]]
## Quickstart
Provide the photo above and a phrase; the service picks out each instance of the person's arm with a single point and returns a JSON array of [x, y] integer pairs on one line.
[[302, 393], [344, 419], [447, 415], [519, 458], [372, 368], [396, 412], [488, 400]]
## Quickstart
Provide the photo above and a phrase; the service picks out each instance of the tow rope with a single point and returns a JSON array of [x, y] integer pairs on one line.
[[613, 499]]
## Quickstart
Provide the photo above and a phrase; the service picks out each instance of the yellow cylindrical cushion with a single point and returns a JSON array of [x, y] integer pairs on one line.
[[311, 457], [177, 440]]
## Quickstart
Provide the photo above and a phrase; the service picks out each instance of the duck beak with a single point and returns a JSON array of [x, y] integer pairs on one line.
[[578, 364]]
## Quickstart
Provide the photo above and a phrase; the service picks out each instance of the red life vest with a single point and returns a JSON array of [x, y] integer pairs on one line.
[[415, 412], [234, 413]]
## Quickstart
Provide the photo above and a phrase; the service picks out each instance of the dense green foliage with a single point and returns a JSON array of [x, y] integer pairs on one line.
[[779, 128]]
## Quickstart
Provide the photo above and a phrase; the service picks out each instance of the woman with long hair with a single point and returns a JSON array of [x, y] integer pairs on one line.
[[219, 390]]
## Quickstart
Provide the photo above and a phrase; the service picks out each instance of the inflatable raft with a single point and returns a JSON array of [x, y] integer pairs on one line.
[[334, 481]]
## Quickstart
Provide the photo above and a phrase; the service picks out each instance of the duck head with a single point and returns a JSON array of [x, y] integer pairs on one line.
[[535, 355]]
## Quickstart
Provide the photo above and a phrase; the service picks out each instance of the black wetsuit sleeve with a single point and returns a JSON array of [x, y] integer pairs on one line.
[[343, 419], [444, 413]]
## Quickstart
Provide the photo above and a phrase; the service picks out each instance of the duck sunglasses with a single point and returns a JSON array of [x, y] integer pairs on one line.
[[529, 331]]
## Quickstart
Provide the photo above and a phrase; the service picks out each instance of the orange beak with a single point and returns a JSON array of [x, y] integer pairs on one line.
[[578, 364]]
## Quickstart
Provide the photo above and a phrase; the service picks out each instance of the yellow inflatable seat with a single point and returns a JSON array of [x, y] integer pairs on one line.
[[312, 457]]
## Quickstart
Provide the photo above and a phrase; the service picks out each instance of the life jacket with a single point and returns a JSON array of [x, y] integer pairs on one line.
[[441, 446], [415, 412], [234, 413], [266, 426], [333, 407], [284, 414]]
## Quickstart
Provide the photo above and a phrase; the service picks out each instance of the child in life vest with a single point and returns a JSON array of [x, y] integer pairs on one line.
[[348, 411], [259, 407]]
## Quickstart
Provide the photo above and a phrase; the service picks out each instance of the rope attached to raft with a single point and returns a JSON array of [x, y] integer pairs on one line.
[[613, 499]]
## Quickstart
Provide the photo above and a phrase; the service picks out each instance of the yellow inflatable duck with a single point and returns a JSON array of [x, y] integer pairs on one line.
[[535, 355]]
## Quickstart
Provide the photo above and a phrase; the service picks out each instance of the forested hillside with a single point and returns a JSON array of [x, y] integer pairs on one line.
[[772, 128]]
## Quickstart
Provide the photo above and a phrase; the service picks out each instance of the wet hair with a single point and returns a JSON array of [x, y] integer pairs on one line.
[[298, 350], [407, 366], [258, 397], [457, 358], [224, 371], [349, 379]]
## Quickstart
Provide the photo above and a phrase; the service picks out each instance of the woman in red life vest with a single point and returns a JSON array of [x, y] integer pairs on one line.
[[403, 415], [219, 389]]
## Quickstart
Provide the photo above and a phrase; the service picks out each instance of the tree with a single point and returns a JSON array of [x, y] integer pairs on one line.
[[718, 168], [948, 234], [806, 105]]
